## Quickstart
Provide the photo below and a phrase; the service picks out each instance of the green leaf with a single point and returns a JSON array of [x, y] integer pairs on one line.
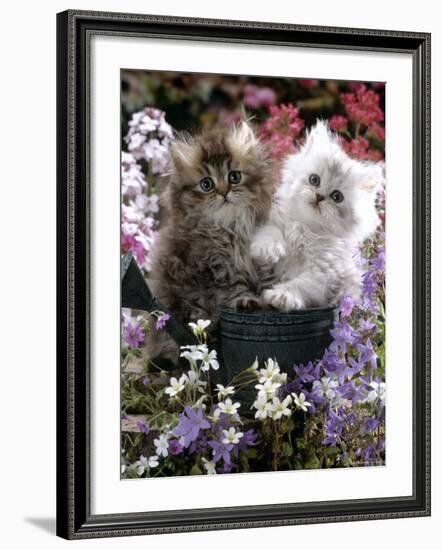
[[195, 470], [252, 453], [287, 449]]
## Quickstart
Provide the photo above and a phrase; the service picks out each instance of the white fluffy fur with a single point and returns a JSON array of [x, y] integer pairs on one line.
[[312, 243]]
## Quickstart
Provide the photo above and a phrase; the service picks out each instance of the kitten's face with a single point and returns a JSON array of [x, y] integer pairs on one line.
[[221, 176], [327, 190]]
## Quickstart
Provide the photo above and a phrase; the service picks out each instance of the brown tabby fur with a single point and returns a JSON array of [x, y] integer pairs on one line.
[[202, 253]]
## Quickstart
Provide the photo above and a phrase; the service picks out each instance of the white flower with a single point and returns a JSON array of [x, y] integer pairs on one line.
[[255, 364], [199, 327], [325, 387], [209, 360], [194, 381], [278, 408], [194, 353], [379, 391], [224, 391], [209, 465], [153, 461], [176, 386], [123, 468], [267, 389], [268, 373], [133, 181], [227, 407], [232, 436], [263, 408], [142, 465], [280, 377], [149, 137], [161, 445], [300, 401]]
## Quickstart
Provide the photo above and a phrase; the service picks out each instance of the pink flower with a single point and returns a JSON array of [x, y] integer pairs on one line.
[[307, 82], [376, 131], [358, 148], [161, 321], [281, 129], [255, 97], [130, 243], [338, 123], [266, 97], [362, 106], [133, 335], [228, 118], [353, 86]]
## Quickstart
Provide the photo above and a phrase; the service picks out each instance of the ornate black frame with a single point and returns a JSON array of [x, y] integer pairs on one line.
[[74, 30]]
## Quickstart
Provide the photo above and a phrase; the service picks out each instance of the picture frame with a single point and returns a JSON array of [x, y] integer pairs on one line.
[[75, 29]]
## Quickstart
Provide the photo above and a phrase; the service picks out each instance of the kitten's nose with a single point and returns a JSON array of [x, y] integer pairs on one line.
[[319, 197]]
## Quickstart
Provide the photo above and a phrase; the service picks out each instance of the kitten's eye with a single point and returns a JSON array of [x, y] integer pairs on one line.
[[314, 180], [337, 196], [234, 177], [207, 184]]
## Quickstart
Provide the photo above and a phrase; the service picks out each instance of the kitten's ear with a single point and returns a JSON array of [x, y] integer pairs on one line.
[[183, 153], [372, 176], [242, 138]]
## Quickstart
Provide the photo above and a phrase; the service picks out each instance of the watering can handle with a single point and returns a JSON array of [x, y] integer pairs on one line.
[[136, 294]]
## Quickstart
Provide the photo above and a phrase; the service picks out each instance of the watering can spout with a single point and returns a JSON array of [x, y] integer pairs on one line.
[[136, 294]]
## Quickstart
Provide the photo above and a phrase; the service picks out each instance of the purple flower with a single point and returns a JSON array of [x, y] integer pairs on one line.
[[343, 335], [307, 373], [378, 262], [199, 446], [249, 439], [367, 354], [332, 365], [133, 335], [352, 392], [369, 287], [354, 368], [346, 306], [143, 427], [369, 454], [226, 468], [370, 424], [333, 428], [366, 325], [161, 321], [175, 447], [221, 450], [190, 425]]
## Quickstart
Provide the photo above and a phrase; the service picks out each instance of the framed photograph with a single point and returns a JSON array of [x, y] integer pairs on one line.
[[243, 270]]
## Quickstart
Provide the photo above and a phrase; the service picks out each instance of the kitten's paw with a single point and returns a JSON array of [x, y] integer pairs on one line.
[[268, 251], [283, 299], [248, 302]]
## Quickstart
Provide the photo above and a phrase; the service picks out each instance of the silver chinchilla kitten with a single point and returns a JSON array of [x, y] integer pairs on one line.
[[323, 208]]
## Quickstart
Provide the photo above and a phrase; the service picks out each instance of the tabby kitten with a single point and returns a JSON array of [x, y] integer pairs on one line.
[[219, 191]]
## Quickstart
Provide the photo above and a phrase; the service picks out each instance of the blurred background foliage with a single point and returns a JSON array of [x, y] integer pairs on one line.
[[194, 101]]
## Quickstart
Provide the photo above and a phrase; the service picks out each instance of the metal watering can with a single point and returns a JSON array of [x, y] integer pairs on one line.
[[290, 338]]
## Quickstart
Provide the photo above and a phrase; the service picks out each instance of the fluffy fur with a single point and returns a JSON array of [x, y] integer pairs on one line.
[[311, 237], [202, 253]]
